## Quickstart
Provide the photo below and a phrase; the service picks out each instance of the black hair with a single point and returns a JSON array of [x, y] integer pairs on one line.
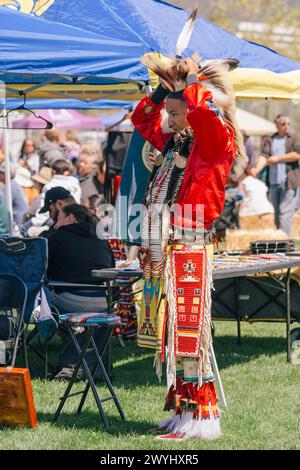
[[281, 116], [176, 95], [60, 166], [95, 200], [81, 213], [183, 148], [24, 144], [101, 165], [168, 146]]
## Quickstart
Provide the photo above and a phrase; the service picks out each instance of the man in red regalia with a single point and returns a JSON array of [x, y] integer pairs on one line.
[[189, 178]]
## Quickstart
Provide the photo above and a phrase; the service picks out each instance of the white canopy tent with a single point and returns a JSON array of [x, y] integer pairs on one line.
[[251, 124]]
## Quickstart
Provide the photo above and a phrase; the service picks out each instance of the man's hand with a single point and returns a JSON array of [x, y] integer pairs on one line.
[[287, 158], [261, 163], [127, 116], [272, 160]]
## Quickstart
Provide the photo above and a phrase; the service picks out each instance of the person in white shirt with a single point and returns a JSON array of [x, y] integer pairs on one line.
[[255, 201], [61, 177]]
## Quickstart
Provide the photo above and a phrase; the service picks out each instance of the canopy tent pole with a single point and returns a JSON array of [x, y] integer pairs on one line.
[[6, 157], [8, 178]]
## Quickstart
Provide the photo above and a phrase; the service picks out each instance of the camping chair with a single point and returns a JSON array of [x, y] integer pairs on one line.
[[13, 299], [26, 258]]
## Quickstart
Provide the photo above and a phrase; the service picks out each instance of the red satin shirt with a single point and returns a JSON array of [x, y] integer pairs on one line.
[[211, 156]]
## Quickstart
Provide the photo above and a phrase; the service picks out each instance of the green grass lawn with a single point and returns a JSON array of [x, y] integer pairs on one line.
[[262, 391]]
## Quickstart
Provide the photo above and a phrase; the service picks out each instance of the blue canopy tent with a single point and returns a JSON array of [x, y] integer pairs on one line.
[[35, 54], [67, 61], [156, 25], [67, 103]]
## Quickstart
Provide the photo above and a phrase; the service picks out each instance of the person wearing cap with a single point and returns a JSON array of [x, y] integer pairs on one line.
[[55, 199], [74, 251], [60, 177]]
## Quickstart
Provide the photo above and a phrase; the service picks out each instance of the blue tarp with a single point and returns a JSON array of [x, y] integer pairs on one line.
[[156, 25], [67, 104], [135, 176], [33, 49], [101, 41]]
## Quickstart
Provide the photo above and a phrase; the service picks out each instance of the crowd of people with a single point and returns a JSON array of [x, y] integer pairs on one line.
[[269, 185], [54, 162], [271, 182], [57, 189]]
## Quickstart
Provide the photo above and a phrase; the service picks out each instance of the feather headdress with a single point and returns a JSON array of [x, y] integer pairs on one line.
[[212, 74], [186, 34]]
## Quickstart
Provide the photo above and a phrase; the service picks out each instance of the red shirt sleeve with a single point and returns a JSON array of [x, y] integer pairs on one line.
[[149, 125], [211, 133]]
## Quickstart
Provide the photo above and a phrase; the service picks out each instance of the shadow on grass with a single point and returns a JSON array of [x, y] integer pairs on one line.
[[91, 420], [229, 352], [133, 366]]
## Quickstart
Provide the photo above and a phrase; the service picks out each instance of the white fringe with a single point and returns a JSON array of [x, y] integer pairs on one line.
[[204, 364], [220, 99], [171, 299], [193, 428], [158, 365]]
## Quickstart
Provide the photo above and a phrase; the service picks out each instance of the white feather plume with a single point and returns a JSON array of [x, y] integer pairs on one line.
[[186, 33]]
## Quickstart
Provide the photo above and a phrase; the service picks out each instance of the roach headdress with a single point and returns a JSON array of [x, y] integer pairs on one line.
[[173, 72]]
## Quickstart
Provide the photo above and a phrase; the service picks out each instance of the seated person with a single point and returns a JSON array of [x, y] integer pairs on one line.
[[55, 199], [74, 250], [61, 177]]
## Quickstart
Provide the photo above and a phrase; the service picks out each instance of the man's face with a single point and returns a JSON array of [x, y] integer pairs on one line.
[[2, 177], [84, 165], [64, 219], [53, 210], [176, 110], [283, 125]]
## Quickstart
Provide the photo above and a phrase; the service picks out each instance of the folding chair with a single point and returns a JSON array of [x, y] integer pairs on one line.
[[90, 321], [26, 258], [13, 299], [88, 291]]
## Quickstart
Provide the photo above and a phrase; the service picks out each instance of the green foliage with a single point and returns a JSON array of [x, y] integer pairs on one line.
[[272, 13]]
